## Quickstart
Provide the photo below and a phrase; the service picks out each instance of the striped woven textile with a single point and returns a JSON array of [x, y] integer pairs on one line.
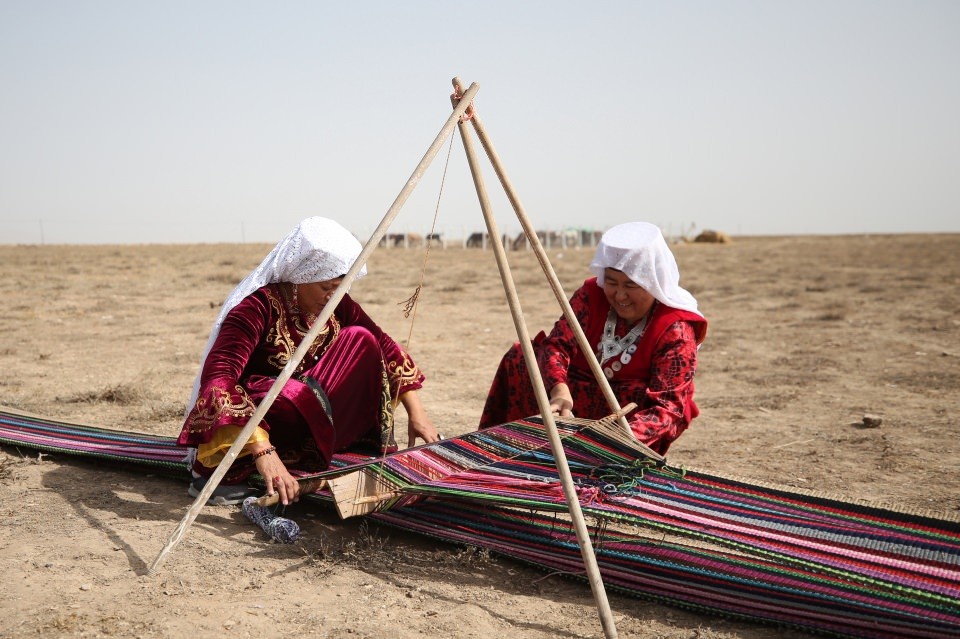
[[53, 436], [680, 537], [80, 440], [688, 538]]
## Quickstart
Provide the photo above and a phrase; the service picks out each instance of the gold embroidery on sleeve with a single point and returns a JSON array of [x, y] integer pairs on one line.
[[403, 372], [210, 410]]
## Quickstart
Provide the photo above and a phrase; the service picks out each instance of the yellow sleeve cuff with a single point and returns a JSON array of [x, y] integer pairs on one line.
[[211, 454]]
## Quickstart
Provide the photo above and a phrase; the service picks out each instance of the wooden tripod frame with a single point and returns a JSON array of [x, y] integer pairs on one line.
[[463, 113]]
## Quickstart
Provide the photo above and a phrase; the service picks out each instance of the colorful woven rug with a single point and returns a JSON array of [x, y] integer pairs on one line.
[[680, 537]]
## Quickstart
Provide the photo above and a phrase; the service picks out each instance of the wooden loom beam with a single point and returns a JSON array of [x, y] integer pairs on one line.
[[543, 401], [312, 334]]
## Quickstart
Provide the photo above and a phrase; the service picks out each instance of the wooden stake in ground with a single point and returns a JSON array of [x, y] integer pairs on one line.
[[543, 402], [308, 339]]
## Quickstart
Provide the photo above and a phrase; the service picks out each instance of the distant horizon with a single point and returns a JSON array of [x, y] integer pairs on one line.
[[457, 242], [459, 238]]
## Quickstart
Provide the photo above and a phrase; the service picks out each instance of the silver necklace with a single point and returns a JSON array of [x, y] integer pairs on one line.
[[610, 345]]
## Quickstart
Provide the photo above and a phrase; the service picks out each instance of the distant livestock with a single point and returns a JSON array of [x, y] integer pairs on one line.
[[569, 238], [477, 240], [401, 240]]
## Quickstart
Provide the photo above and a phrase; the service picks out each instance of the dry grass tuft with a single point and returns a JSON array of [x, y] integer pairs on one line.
[[124, 394], [155, 410], [369, 547], [366, 547], [832, 316]]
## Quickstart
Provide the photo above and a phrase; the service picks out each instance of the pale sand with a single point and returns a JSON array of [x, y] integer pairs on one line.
[[807, 335]]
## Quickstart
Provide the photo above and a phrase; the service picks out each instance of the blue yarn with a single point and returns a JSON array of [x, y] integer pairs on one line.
[[281, 529]]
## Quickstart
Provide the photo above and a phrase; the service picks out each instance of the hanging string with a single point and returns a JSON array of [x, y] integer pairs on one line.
[[411, 303]]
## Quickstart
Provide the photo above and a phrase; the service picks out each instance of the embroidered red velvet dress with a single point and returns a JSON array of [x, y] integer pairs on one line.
[[658, 377], [340, 396]]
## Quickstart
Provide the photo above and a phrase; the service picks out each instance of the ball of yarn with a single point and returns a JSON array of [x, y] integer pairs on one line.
[[281, 529]]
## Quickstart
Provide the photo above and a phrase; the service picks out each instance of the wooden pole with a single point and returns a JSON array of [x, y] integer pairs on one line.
[[311, 335], [543, 402], [585, 347]]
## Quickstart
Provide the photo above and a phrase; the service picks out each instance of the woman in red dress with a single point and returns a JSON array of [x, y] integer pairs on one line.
[[645, 330], [342, 394]]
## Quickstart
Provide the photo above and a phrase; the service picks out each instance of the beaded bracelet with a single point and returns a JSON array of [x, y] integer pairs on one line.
[[266, 451]]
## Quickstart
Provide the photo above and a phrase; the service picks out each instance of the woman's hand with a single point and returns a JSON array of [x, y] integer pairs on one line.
[[275, 474], [418, 423], [561, 401]]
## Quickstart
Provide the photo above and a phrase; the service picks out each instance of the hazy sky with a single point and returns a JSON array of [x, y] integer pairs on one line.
[[227, 121]]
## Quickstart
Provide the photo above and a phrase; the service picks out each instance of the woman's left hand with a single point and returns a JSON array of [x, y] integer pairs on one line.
[[424, 429], [418, 423]]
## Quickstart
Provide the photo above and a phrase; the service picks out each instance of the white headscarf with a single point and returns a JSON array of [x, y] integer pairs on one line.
[[317, 250], [638, 250]]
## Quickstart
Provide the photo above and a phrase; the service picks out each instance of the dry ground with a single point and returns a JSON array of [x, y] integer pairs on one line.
[[807, 335]]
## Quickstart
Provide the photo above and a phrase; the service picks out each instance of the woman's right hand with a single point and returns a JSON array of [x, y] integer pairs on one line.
[[275, 474], [561, 401]]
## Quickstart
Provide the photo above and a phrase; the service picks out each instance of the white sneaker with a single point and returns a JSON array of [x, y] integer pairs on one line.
[[223, 495]]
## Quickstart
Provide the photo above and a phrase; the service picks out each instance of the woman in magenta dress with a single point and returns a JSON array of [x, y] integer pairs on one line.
[[341, 396], [645, 330]]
